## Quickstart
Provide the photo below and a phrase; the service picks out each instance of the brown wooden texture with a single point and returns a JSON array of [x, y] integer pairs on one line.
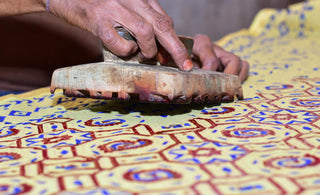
[[126, 79], [146, 83]]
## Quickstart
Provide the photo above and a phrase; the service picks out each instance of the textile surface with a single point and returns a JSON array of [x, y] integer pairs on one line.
[[267, 144]]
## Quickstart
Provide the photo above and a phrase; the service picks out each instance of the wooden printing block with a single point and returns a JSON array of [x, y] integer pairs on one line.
[[127, 79], [147, 83]]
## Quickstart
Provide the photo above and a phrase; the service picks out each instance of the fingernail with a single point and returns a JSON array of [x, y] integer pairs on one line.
[[187, 65]]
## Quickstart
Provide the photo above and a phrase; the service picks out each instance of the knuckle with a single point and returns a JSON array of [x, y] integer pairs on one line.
[[113, 4], [125, 50], [236, 62], [143, 4], [245, 65], [112, 42], [179, 49], [197, 36], [152, 1], [163, 24], [202, 37], [212, 62], [108, 38], [236, 59], [145, 30], [170, 21]]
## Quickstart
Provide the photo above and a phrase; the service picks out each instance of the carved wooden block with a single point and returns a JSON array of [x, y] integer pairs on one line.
[[146, 83], [126, 79]]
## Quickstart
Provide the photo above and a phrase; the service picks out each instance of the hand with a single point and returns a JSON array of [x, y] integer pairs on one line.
[[210, 56], [144, 19]]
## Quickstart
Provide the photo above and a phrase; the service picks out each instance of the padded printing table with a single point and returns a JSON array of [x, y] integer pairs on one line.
[[267, 143]]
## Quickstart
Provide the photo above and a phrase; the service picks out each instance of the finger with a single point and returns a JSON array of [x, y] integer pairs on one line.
[[231, 63], [141, 29], [115, 43], [244, 71], [203, 49], [156, 5], [177, 51], [165, 34], [235, 65], [163, 56]]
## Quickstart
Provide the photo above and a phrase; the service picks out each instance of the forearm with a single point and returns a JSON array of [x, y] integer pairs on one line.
[[15, 7]]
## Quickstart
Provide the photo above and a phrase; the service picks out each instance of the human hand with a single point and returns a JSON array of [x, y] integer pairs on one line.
[[144, 19], [210, 56]]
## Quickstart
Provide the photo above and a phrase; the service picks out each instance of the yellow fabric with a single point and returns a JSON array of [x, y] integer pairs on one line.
[[268, 143]]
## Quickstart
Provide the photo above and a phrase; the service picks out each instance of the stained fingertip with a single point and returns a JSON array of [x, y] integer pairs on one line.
[[187, 65], [178, 53]]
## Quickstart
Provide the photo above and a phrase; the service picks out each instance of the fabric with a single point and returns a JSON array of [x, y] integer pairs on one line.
[[266, 144]]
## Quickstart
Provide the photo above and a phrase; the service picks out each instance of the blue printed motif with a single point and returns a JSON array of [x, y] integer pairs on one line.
[[294, 162], [206, 153], [308, 103], [5, 132], [279, 87], [152, 175], [6, 157], [19, 113], [13, 191], [125, 145], [109, 122], [250, 133], [58, 139], [284, 117]]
